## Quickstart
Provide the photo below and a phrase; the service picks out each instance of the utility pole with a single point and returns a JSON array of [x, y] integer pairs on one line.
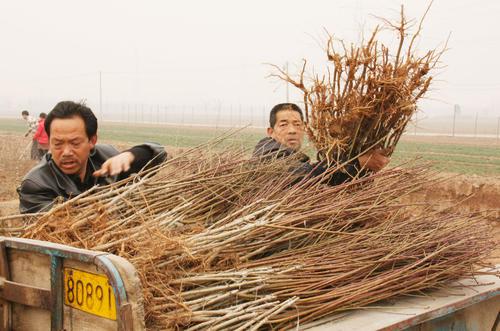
[[239, 115], [456, 110], [475, 126], [100, 94], [498, 129], [183, 110], [217, 119], [231, 115]]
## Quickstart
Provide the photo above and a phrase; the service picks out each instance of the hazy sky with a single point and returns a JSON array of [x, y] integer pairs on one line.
[[197, 52]]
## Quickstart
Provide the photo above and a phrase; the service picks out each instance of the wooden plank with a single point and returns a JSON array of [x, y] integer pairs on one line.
[[33, 269], [29, 268], [25, 294], [6, 307], [25, 318]]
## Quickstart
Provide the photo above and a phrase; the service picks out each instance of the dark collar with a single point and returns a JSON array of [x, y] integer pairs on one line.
[[71, 184], [268, 147]]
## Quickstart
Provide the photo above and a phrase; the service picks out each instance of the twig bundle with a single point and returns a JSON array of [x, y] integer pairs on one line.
[[222, 243], [368, 94]]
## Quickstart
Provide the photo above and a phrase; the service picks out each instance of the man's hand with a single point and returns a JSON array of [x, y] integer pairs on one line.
[[374, 160], [115, 165]]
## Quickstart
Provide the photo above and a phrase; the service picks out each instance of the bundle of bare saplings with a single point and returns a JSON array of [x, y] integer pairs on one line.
[[221, 242], [368, 94]]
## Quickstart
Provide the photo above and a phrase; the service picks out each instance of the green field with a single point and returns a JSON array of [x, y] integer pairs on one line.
[[481, 159], [463, 159]]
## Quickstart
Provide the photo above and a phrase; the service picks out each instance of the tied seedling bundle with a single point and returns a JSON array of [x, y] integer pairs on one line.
[[225, 243], [368, 94]]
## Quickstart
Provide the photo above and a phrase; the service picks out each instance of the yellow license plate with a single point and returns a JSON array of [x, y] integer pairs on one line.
[[89, 292]]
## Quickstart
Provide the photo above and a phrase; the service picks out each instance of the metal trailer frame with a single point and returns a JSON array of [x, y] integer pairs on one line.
[[468, 304], [12, 292]]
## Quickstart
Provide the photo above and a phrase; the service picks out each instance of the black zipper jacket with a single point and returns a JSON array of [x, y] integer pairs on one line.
[[268, 149], [46, 182]]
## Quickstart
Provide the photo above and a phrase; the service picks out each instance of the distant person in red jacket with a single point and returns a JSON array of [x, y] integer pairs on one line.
[[41, 136]]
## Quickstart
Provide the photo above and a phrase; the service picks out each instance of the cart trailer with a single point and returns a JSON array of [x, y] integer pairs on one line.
[[46, 286]]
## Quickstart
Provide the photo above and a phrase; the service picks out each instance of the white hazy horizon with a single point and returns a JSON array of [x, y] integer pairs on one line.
[[214, 52]]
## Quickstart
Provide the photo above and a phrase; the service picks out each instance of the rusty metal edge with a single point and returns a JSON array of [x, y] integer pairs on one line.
[[442, 311], [51, 249], [56, 288], [125, 320]]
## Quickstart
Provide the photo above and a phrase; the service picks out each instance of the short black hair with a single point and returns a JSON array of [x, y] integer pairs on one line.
[[42, 115], [69, 109], [25, 112], [283, 106]]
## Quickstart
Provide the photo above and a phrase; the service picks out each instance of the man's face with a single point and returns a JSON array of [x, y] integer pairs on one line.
[[288, 130], [70, 146]]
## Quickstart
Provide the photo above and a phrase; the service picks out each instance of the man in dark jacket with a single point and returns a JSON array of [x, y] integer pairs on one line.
[[284, 139], [75, 162]]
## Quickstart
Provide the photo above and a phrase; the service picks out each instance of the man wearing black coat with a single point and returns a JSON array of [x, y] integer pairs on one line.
[[76, 162], [284, 139]]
